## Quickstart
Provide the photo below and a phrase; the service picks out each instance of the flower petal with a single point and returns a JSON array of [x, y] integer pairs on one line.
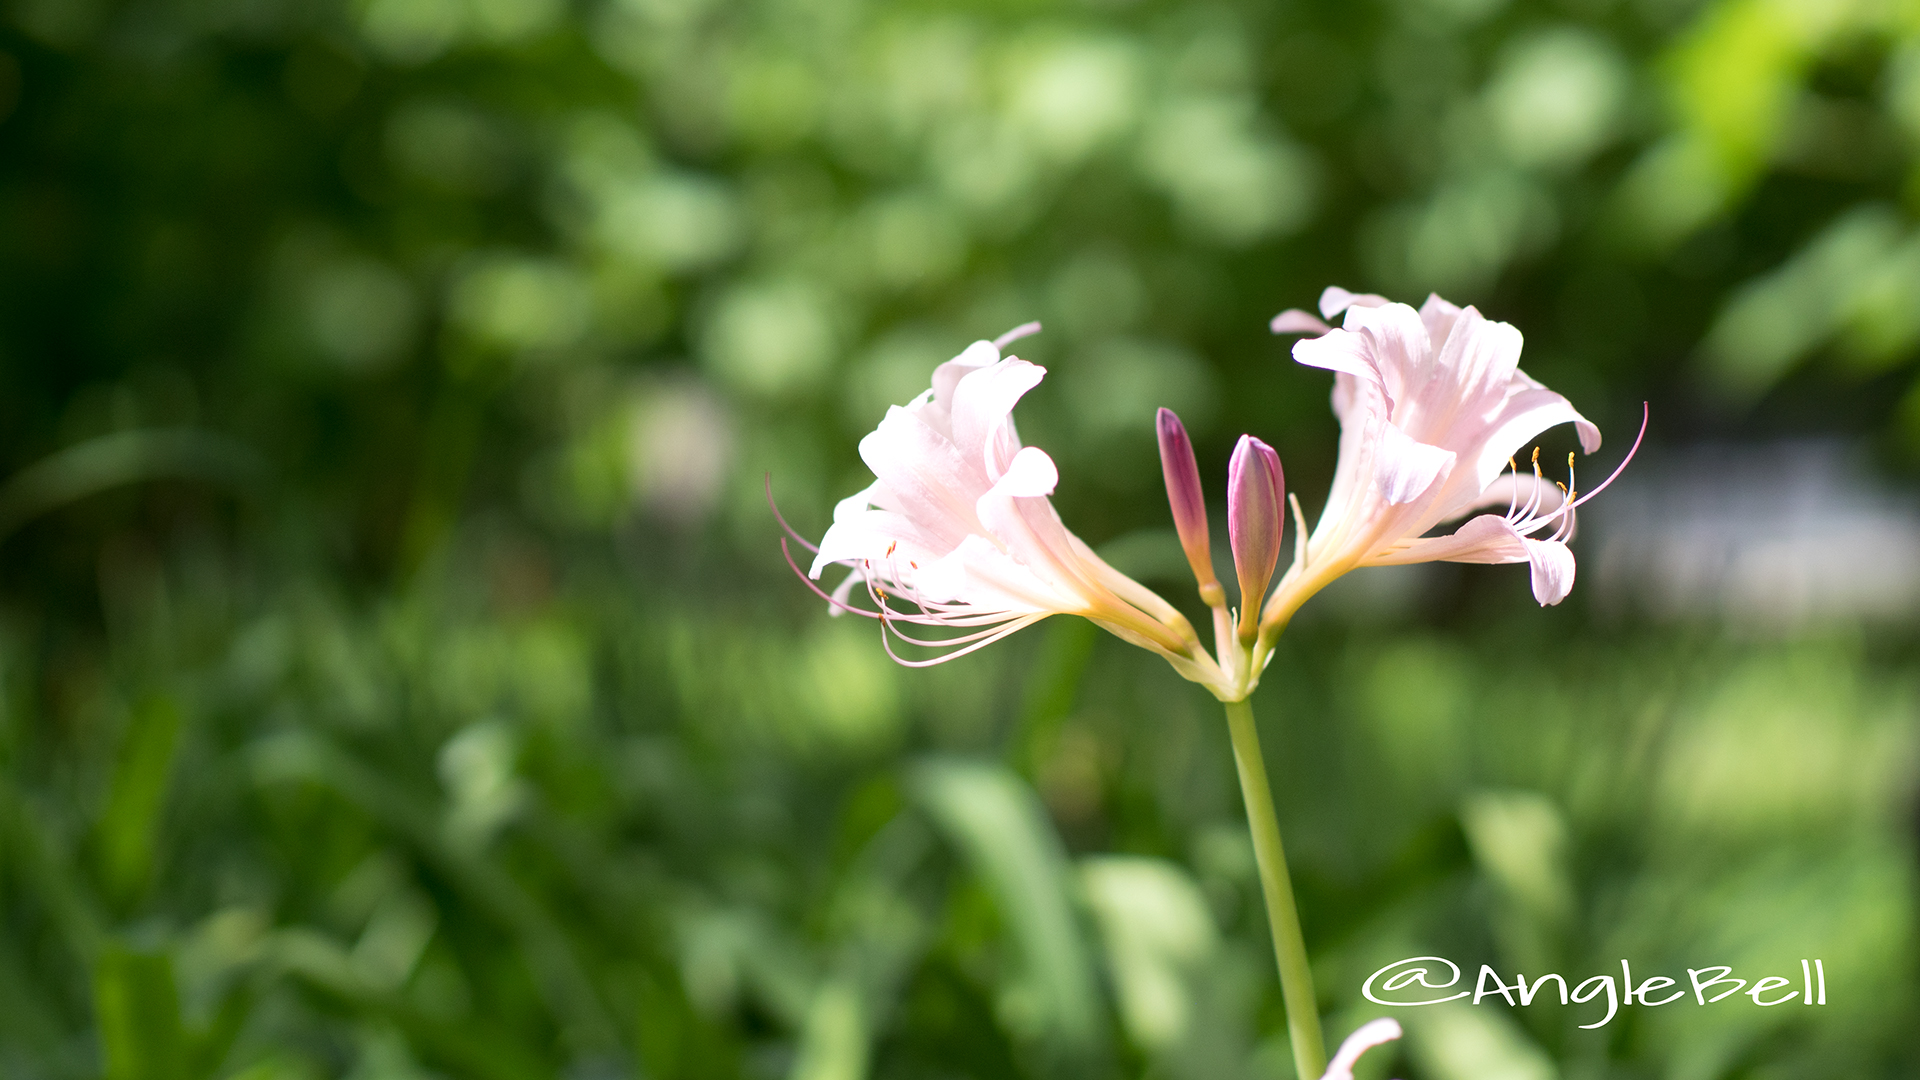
[[1335, 300], [1033, 536], [1295, 321], [1528, 411], [877, 536], [1552, 570], [1031, 473], [985, 577], [982, 410], [1438, 314], [1369, 1035], [928, 479], [1404, 468], [1401, 351], [1488, 538], [948, 375], [1339, 350], [1470, 378]]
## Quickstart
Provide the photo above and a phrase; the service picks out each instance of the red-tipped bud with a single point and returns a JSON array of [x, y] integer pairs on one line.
[[1189, 505], [1256, 497]]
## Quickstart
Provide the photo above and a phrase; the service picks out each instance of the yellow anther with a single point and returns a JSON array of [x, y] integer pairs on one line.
[[890, 546], [1536, 457], [1569, 461]]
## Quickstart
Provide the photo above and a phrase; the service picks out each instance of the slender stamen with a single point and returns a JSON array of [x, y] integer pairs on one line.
[[876, 592], [1533, 502], [855, 576], [943, 643], [955, 616], [838, 604], [1645, 415], [771, 505], [1564, 530], [1010, 628]]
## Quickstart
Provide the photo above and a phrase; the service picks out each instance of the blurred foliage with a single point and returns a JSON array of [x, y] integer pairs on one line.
[[398, 677]]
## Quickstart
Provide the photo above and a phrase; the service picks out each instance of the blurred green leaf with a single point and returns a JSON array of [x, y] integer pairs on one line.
[[999, 825], [1157, 930], [125, 457], [139, 1011], [130, 825]]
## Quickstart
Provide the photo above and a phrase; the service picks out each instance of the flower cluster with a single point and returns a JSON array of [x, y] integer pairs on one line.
[[957, 530]]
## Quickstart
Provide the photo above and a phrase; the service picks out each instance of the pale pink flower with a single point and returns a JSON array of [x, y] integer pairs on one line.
[[1364, 1038], [1433, 407], [957, 530]]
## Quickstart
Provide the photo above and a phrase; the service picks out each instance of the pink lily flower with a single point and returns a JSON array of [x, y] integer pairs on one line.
[[1433, 407], [957, 530]]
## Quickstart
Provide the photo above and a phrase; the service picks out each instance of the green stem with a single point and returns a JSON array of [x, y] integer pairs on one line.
[[1296, 978]]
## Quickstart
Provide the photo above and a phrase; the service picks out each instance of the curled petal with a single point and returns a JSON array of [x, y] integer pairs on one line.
[[1295, 321], [983, 408], [1335, 300], [1031, 473], [1339, 350], [978, 355], [1406, 468], [1525, 415], [1398, 342], [1369, 1035], [1439, 315], [1552, 570], [1488, 538]]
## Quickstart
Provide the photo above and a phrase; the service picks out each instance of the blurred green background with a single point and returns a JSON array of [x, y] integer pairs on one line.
[[399, 676]]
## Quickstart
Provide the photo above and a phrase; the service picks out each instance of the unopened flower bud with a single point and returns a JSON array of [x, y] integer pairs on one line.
[[1256, 494], [1189, 505]]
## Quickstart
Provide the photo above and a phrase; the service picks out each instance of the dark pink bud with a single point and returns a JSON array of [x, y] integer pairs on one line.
[[1256, 495], [1189, 505]]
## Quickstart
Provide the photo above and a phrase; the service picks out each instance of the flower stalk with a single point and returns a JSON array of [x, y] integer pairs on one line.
[[1283, 917]]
